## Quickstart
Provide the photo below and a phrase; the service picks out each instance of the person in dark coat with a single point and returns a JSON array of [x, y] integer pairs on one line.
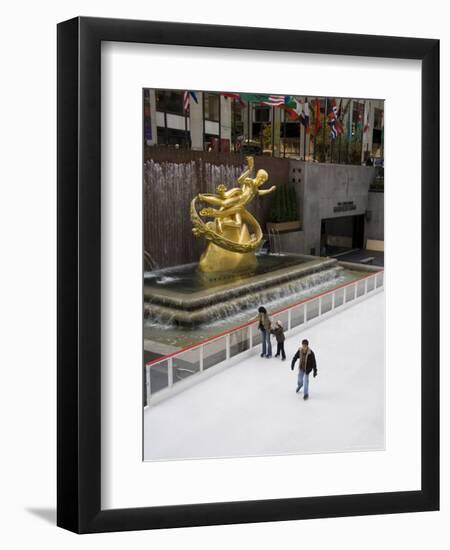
[[278, 332], [307, 364], [264, 325]]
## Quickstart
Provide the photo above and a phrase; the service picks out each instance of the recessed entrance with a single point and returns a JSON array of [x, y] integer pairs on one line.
[[341, 234]]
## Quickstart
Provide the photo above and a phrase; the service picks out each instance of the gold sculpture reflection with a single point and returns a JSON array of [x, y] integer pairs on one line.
[[234, 234]]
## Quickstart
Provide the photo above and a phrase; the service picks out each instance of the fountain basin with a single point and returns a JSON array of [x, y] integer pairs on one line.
[[183, 296]]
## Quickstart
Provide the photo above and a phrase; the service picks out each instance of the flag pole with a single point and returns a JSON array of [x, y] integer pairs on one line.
[[340, 136], [349, 129], [341, 116], [185, 127], [304, 131], [299, 131], [315, 130], [273, 130], [362, 131], [203, 121]]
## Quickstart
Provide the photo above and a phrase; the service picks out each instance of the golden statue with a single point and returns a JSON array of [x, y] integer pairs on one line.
[[234, 234]]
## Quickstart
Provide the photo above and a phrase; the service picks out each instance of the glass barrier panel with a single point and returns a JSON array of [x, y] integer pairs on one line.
[[256, 335], [159, 378], [239, 341], [360, 288], [380, 279], [312, 309], [339, 297], [370, 284], [326, 303], [214, 352], [349, 293], [297, 315], [186, 364]]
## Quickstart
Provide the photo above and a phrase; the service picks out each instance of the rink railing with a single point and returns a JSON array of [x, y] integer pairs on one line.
[[171, 373]]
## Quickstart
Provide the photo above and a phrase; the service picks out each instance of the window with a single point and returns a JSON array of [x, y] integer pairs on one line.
[[290, 129], [378, 118], [376, 136], [178, 139], [169, 101], [211, 106], [211, 143], [236, 110], [262, 114]]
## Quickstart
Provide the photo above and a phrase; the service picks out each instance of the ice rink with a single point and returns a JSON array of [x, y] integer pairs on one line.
[[251, 408]]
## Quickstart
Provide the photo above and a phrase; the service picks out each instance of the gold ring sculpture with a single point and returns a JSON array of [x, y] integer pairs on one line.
[[234, 234]]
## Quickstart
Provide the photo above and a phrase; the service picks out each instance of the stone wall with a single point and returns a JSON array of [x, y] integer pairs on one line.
[[328, 191], [171, 180], [374, 228]]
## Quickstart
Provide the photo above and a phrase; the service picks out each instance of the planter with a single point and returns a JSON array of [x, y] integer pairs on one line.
[[283, 226]]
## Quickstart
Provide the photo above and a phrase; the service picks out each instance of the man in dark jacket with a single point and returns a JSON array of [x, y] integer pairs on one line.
[[307, 364]]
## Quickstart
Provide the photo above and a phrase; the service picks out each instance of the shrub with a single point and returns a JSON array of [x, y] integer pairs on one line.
[[284, 206]]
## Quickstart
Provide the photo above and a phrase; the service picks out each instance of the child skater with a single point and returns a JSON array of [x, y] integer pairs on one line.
[[278, 332]]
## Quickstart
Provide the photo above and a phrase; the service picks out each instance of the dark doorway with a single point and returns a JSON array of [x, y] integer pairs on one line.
[[341, 234]]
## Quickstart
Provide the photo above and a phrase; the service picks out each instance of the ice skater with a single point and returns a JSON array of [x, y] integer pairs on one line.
[[264, 326], [307, 364], [278, 332]]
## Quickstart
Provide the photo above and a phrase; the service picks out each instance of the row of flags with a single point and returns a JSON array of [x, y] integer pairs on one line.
[[298, 109]]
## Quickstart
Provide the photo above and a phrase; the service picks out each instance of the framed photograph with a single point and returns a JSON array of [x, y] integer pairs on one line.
[[248, 274]]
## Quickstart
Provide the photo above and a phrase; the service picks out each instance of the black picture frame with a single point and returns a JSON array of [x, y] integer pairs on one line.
[[79, 281]]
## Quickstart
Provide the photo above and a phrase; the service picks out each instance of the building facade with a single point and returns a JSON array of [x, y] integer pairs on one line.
[[222, 122]]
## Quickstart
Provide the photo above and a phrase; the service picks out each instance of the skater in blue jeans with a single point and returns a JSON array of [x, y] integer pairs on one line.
[[306, 365], [264, 326]]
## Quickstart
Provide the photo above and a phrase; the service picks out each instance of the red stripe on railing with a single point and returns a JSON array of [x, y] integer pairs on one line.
[[248, 323]]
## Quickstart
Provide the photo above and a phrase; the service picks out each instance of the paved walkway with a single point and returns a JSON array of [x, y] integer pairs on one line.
[[251, 409]]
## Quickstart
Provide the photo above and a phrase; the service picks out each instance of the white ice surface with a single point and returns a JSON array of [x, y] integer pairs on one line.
[[251, 408]]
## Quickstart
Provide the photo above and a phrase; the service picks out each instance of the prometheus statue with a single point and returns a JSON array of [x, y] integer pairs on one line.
[[234, 234]]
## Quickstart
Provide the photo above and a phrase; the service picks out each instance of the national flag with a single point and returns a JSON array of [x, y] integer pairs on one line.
[[347, 122], [334, 122], [271, 100], [340, 112], [366, 116], [304, 115], [254, 98], [231, 95], [276, 100], [292, 113], [186, 101], [359, 122], [290, 101], [317, 116], [186, 95], [350, 122]]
